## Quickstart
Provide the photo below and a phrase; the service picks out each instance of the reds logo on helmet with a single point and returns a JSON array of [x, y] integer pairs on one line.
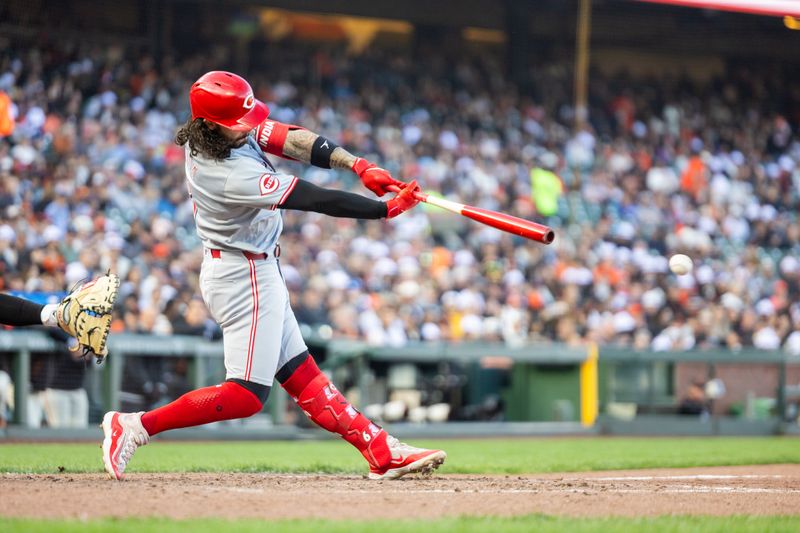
[[226, 99], [268, 184]]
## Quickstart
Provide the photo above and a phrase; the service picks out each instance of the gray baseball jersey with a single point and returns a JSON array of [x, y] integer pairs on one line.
[[235, 200], [235, 208]]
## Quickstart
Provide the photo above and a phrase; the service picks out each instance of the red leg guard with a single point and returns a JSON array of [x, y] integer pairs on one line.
[[326, 407], [225, 401]]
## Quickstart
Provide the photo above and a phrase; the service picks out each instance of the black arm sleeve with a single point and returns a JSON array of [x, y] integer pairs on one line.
[[16, 311], [308, 197]]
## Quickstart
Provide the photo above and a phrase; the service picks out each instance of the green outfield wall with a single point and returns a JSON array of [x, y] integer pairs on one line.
[[537, 383]]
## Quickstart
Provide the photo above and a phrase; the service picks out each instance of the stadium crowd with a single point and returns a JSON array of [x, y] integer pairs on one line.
[[91, 180]]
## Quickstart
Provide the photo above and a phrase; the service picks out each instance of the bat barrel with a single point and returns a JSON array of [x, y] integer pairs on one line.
[[510, 224], [501, 221]]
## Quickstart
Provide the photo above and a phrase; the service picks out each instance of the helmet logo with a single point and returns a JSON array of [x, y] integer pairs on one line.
[[249, 101]]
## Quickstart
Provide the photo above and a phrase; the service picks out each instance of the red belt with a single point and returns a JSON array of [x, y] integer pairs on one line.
[[216, 254]]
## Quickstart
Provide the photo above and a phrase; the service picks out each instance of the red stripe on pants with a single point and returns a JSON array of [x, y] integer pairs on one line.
[[253, 320]]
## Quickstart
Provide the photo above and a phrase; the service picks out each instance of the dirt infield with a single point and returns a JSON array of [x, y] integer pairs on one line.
[[753, 490]]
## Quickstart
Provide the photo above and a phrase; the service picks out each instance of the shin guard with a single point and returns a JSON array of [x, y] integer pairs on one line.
[[326, 407]]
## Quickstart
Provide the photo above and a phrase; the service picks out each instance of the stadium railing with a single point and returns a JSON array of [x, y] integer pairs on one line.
[[542, 375]]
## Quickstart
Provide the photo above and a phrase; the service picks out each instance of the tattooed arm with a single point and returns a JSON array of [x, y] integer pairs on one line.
[[294, 142], [299, 145]]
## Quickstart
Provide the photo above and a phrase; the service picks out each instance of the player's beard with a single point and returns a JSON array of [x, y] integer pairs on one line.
[[205, 141], [238, 143]]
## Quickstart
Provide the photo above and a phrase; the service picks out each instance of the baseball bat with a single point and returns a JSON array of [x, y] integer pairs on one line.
[[501, 221]]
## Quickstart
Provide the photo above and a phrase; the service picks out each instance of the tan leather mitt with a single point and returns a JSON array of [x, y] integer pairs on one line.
[[86, 313]]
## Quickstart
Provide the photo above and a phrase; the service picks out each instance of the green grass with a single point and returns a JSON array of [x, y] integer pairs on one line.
[[539, 523], [476, 456]]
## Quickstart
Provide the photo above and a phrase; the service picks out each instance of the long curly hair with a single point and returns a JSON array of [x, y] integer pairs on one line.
[[203, 140]]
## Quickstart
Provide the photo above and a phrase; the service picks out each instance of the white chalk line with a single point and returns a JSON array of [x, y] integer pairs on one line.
[[696, 476], [568, 477], [684, 489], [234, 489], [707, 490], [593, 490]]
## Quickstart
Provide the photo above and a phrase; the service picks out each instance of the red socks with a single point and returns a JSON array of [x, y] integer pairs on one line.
[[225, 401], [308, 386], [326, 406]]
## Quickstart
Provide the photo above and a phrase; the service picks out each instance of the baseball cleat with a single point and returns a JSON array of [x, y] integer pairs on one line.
[[407, 460], [123, 434]]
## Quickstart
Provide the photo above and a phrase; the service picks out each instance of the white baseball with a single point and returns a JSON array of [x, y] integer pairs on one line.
[[680, 264]]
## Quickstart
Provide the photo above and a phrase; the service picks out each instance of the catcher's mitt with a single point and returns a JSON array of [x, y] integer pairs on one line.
[[86, 314]]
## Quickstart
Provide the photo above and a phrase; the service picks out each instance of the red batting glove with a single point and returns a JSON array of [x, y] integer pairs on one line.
[[405, 200], [375, 178]]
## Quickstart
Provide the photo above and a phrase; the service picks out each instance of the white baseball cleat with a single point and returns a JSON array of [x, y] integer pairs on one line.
[[123, 434], [407, 460]]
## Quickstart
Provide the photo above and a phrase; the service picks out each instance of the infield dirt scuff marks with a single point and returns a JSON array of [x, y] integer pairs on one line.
[[756, 490]]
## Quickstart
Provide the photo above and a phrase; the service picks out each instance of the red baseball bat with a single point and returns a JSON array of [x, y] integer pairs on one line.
[[501, 221]]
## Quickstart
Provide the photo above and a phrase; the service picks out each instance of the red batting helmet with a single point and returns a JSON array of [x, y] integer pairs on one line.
[[226, 99]]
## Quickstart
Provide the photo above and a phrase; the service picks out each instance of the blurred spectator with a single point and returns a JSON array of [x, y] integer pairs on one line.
[[66, 404], [6, 115], [6, 398], [195, 320], [694, 401], [36, 394], [311, 309], [546, 187]]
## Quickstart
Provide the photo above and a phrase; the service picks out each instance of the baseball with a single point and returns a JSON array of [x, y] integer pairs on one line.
[[680, 264]]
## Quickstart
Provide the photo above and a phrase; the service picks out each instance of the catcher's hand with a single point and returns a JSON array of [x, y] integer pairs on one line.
[[86, 314]]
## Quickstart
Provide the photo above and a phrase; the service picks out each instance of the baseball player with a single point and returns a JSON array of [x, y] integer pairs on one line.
[[85, 313], [237, 197]]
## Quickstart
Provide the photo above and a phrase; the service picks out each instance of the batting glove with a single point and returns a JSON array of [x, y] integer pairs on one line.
[[405, 200], [374, 178]]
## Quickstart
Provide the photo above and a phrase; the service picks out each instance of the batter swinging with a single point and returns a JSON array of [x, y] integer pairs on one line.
[[236, 194]]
